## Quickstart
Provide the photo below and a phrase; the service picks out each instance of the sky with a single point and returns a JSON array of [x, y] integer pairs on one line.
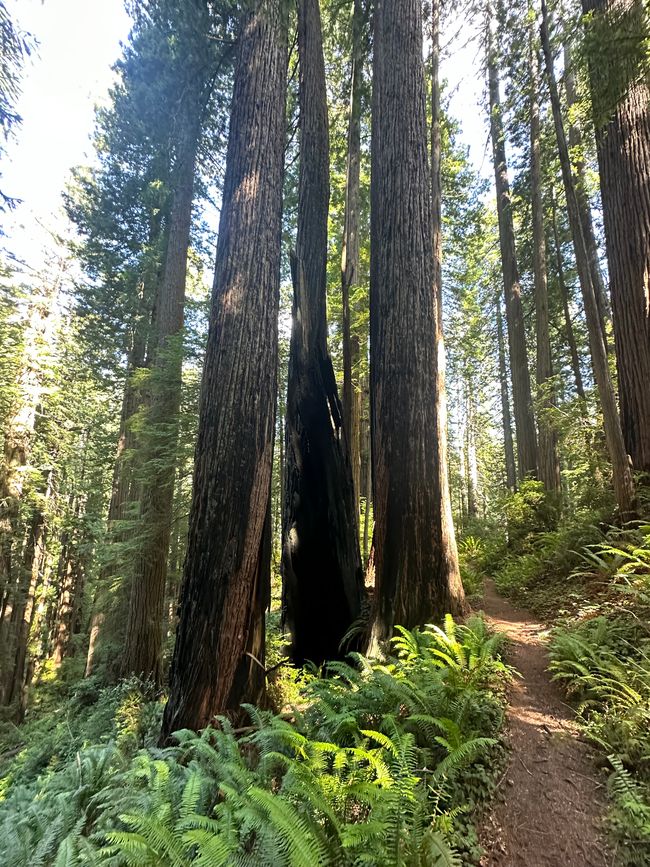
[[78, 41], [70, 72]]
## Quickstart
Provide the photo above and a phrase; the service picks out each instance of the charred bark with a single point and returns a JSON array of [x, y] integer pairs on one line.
[[321, 563]]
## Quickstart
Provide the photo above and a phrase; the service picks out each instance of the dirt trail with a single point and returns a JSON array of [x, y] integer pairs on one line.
[[553, 803]]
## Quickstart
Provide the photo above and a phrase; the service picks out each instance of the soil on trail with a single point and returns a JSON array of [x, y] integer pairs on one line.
[[551, 800]]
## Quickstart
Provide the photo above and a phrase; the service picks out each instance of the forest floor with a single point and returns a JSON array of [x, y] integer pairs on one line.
[[550, 799]]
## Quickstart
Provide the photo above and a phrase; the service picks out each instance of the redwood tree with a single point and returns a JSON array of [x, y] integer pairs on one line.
[[219, 653], [622, 115], [410, 584], [321, 562], [521, 391]]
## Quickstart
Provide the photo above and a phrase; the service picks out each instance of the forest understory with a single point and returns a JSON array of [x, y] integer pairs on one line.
[[325, 479]]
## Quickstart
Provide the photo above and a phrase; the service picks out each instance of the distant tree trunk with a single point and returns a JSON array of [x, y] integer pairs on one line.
[[321, 563], [472, 464], [575, 142], [564, 296], [350, 259], [549, 464], [143, 648], [623, 138], [511, 469], [519, 368], [447, 550], [411, 584], [218, 659], [621, 471]]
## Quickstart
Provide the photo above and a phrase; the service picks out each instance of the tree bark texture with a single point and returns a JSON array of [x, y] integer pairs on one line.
[[624, 161], [411, 585], [564, 297], [549, 464], [350, 259], [519, 368], [219, 654], [321, 563], [143, 648], [448, 550], [508, 445], [621, 471], [576, 144]]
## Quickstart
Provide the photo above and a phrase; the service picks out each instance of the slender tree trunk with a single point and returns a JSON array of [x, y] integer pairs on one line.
[[219, 654], [519, 368], [411, 584], [143, 648], [350, 259], [624, 160], [472, 463], [575, 142], [621, 471], [564, 296], [549, 464], [511, 469], [321, 563], [448, 553]]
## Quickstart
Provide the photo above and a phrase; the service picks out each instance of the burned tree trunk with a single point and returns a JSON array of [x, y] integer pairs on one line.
[[219, 654], [411, 587], [321, 563]]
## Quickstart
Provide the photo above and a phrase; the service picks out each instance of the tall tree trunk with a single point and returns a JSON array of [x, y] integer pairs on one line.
[[519, 368], [143, 647], [511, 469], [624, 159], [350, 259], [564, 296], [321, 563], [549, 464], [575, 142], [411, 585], [219, 654], [448, 553], [621, 471]]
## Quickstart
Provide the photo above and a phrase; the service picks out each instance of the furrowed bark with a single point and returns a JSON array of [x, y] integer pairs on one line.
[[410, 585], [621, 471], [519, 368], [321, 564], [219, 655]]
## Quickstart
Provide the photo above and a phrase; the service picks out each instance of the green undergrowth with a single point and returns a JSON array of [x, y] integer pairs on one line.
[[388, 763], [590, 580]]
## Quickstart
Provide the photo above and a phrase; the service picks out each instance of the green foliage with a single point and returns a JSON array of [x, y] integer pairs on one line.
[[385, 764]]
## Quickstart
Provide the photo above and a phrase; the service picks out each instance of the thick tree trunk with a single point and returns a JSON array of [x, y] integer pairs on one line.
[[219, 657], [511, 469], [564, 296], [350, 259], [549, 464], [143, 648], [449, 569], [575, 142], [624, 161], [321, 563], [621, 471], [519, 368], [411, 584]]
